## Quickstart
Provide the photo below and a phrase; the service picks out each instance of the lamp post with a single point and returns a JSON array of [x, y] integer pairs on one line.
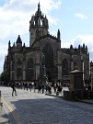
[[72, 64], [43, 74], [43, 65], [44, 68], [83, 69]]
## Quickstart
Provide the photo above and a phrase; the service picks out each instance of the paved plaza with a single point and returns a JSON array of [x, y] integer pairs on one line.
[[37, 108]]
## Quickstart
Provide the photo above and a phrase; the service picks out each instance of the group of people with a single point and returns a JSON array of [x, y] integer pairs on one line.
[[46, 88]]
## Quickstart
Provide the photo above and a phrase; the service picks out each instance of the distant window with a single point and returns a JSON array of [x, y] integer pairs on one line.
[[49, 61], [41, 22], [75, 65], [30, 63], [19, 62], [30, 72], [48, 52], [65, 67], [19, 73], [34, 22]]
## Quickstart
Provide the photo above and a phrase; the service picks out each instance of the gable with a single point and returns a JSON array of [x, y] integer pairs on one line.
[[46, 39]]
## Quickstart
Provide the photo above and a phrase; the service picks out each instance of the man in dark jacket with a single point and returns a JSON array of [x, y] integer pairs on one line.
[[14, 89]]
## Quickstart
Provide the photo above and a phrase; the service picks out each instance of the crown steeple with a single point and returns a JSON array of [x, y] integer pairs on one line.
[[38, 22]]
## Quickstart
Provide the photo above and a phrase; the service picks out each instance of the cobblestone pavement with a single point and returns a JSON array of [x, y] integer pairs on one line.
[[3, 116], [37, 108]]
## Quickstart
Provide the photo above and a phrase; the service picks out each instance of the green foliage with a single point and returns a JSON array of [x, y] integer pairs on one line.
[[5, 77]]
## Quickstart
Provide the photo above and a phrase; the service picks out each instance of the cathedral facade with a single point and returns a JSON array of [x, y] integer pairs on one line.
[[44, 53]]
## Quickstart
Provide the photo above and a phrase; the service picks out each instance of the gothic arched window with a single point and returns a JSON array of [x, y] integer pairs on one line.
[[49, 61], [65, 67], [29, 74], [19, 74], [75, 65], [30, 63], [48, 52], [19, 62]]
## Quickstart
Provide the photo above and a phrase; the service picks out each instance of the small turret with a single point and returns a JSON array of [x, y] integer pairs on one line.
[[86, 48], [9, 44], [13, 44], [46, 22], [24, 45], [24, 48], [79, 47], [19, 42], [83, 46], [71, 47], [58, 35]]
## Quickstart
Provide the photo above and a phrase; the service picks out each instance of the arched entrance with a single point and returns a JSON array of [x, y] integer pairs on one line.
[[65, 67], [49, 61], [30, 72], [19, 69], [65, 72]]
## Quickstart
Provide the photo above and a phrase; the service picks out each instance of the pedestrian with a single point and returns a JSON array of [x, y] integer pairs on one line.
[[43, 87], [13, 89], [30, 86], [55, 87], [34, 86]]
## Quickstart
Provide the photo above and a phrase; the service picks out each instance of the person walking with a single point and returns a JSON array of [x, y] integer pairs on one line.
[[13, 89]]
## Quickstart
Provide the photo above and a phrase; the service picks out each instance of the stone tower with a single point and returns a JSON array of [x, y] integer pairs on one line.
[[38, 25]]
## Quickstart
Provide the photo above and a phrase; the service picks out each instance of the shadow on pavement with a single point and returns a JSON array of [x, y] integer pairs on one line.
[[50, 111]]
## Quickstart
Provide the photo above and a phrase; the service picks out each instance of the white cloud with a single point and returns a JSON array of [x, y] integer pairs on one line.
[[81, 16], [15, 16], [81, 39]]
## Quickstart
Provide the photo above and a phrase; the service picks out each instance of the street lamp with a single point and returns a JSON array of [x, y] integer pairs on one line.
[[83, 69], [43, 65]]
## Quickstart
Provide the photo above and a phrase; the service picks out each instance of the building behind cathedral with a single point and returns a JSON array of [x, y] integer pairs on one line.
[[26, 63]]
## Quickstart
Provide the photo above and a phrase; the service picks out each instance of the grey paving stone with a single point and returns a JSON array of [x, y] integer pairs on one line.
[[37, 108]]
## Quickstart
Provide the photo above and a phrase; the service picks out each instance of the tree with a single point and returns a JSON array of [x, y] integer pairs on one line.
[[5, 77]]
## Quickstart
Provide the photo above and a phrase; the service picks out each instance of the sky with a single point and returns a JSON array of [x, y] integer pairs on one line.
[[74, 19]]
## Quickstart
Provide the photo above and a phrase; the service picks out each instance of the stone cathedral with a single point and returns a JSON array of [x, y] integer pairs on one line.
[[26, 63]]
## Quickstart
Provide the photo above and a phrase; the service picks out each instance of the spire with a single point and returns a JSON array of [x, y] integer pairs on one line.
[[39, 6], [9, 44], [38, 12], [18, 39], [58, 34], [24, 45], [19, 42]]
